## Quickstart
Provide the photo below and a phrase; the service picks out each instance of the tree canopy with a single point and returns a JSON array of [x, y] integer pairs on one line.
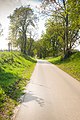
[[63, 27], [20, 20]]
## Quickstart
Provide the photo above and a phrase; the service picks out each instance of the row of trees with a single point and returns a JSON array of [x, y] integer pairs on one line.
[[62, 28]]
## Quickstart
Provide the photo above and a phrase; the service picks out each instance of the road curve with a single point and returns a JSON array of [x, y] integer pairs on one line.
[[51, 95]]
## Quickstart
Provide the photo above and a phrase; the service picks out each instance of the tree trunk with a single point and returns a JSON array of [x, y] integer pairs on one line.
[[66, 31], [24, 39], [64, 44], [30, 47], [25, 42], [66, 49]]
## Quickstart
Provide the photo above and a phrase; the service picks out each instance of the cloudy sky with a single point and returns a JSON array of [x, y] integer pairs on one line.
[[7, 7]]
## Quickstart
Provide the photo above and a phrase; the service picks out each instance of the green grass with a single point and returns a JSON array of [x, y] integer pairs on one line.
[[70, 65], [15, 72]]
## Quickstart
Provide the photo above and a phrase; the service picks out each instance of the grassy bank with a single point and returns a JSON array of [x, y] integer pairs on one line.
[[15, 72], [70, 65]]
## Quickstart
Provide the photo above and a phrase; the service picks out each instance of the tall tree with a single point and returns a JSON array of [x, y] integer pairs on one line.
[[19, 21]]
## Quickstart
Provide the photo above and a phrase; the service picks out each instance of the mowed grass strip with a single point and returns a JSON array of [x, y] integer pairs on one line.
[[70, 65], [15, 72]]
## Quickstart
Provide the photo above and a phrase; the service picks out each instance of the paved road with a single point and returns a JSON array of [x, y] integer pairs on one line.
[[51, 95]]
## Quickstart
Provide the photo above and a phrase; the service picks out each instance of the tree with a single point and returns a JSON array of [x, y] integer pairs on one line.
[[55, 35], [51, 42], [20, 20], [67, 14]]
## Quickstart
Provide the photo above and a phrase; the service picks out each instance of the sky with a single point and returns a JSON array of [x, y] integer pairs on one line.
[[6, 8]]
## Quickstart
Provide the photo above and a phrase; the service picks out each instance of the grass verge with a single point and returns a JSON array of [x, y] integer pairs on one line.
[[15, 72], [70, 65]]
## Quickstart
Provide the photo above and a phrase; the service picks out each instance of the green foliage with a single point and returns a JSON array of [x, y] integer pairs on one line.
[[20, 20], [51, 42], [63, 26], [70, 65], [30, 46], [15, 72]]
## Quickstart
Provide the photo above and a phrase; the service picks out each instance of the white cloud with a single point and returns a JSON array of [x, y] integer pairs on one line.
[[7, 7]]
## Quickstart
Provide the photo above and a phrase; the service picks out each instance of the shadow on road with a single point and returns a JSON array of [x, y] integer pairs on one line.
[[30, 97]]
